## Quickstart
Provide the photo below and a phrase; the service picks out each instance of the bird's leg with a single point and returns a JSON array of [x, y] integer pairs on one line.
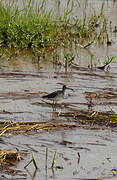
[[54, 105]]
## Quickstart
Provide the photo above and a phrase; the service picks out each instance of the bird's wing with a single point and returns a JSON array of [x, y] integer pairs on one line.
[[52, 95]]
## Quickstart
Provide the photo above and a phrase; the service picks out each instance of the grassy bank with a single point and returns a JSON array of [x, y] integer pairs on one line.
[[34, 28]]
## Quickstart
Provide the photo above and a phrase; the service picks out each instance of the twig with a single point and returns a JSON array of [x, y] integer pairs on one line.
[[34, 162], [78, 157], [88, 44], [54, 160], [46, 157], [6, 128], [28, 163], [3, 132], [111, 109], [46, 166]]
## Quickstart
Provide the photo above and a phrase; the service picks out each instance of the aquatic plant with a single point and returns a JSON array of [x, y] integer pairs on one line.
[[32, 27], [107, 62], [68, 58]]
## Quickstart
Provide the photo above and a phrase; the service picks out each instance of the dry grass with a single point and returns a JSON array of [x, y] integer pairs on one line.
[[25, 127], [8, 159], [108, 119], [81, 118]]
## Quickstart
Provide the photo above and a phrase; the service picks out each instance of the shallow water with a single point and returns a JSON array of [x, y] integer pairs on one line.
[[97, 149], [20, 99], [23, 83]]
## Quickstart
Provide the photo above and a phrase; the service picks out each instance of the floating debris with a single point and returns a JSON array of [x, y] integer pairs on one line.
[[9, 159], [91, 118], [6, 155], [82, 117], [25, 127]]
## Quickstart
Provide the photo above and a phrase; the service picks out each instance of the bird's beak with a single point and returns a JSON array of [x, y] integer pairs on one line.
[[70, 88]]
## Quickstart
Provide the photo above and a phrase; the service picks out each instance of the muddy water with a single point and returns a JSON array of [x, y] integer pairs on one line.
[[23, 82], [97, 149], [23, 85]]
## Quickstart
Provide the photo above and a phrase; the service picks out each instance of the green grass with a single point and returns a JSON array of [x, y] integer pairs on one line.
[[33, 28]]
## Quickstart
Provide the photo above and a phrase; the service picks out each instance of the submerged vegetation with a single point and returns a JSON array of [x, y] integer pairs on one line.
[[32, 27]]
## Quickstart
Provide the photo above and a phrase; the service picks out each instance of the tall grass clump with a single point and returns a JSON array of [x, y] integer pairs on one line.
[[27, 28], [34, 28], [87, 26]]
